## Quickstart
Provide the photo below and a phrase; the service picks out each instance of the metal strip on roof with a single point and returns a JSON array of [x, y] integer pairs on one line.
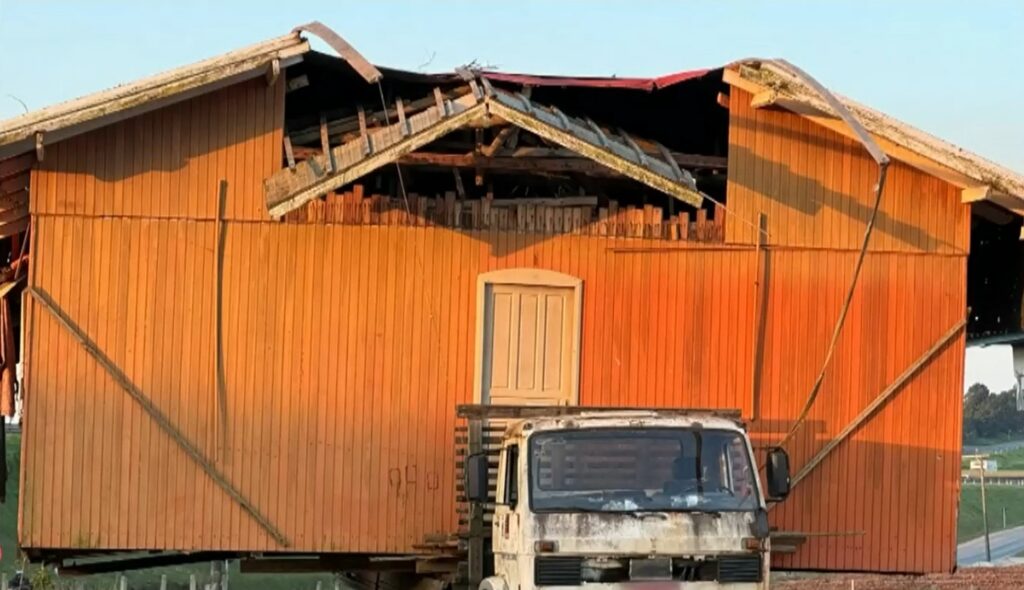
[[348, 53]]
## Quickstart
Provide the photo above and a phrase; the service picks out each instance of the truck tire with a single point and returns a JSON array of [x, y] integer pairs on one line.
[[493, 583]]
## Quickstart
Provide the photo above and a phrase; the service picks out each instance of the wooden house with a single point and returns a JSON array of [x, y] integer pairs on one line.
[[258, 287]]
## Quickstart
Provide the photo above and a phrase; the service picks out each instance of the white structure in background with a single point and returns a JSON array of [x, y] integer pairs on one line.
[[989, 465], [1018, 372]]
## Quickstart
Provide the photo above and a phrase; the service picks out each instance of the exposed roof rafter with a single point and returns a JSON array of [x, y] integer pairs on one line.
[[291, 188]]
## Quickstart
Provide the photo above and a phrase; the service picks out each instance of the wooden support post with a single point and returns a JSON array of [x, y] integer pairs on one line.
[[760, 268], [403, 124], [289, 153], [475, 553], [984, 515], [442, 107], [325, 143], [273, 71], [879, 401], [40, 149], [367, 143], [460, 189], [220, 382], [154, 412]]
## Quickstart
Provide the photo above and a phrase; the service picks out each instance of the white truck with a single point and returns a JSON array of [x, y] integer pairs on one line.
[[621, 499]]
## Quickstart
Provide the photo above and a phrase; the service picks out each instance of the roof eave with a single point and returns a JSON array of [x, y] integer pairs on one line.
[[74, 117], [773, 86]]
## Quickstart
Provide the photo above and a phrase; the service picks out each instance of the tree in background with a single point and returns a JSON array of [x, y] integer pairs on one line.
[[991, 415]]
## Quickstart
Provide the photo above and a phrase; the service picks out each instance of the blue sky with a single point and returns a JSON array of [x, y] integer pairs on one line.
[[948, 67], [951, 68]]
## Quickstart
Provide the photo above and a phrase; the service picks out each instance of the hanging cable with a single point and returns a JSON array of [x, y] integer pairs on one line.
[[398, 167], [784, 68]]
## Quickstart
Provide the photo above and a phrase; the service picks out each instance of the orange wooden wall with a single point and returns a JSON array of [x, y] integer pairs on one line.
[[347, 348], [891, 490]]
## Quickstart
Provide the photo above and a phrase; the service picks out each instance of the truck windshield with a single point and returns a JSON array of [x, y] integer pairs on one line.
[[641, 470]]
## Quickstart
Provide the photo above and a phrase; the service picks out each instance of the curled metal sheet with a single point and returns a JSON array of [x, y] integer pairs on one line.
[[355, 59]]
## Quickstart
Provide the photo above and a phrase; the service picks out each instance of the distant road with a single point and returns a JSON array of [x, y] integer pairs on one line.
[[1004, 544], [996, 448]]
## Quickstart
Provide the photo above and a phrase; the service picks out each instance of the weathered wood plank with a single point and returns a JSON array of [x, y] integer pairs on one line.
[[655, 174], [289, 189]]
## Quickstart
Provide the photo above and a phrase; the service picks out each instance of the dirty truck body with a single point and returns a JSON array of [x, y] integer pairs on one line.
[[609, 499], [256, 295]]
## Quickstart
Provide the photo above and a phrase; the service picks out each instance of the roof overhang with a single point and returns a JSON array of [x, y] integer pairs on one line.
[[74, 117], [775, 85]]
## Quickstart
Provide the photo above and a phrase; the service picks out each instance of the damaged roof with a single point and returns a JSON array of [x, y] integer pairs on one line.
[[773, 82], [295, 186], [778, 83]]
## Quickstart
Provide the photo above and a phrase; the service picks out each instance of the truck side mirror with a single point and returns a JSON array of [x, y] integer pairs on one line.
[[477, 476], [777, 469]]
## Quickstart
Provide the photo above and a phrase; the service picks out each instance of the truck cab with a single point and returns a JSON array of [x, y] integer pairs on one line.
[[628, 499]]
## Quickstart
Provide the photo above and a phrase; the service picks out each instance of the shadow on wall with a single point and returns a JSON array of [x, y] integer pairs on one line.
[[213, 131], [877, 507], [778, 181]]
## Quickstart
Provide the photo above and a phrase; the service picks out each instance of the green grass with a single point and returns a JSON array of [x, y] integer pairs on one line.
[[1007, 460], [971, 525], [138, 580]]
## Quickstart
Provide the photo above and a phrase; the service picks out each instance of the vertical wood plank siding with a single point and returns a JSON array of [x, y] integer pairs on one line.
[[347, 348], [890, 493], [817, 189]]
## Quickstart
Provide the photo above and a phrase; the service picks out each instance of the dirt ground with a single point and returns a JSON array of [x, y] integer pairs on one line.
[[976, 578]]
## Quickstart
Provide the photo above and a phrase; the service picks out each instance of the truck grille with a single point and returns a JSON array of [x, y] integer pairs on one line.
[[558, 571], [739, 569]]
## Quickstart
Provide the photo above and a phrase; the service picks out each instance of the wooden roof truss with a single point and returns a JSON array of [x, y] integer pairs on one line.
[[291, 188]]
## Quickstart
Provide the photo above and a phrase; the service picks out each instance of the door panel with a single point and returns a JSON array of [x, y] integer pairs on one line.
[[528, 345]]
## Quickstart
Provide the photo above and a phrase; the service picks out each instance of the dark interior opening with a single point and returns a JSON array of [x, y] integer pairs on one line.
[[995, 276], [685, 117]]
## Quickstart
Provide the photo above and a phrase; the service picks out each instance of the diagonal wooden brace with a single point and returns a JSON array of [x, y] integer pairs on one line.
[[154, 412], [879, 401]]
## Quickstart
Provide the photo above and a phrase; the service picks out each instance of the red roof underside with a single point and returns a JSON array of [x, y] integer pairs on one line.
[[628, 83]]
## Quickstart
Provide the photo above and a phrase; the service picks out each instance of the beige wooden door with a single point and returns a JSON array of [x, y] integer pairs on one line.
[[528, 345]]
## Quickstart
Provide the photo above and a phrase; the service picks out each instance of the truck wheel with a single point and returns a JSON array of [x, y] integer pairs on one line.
[[493, 583]]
